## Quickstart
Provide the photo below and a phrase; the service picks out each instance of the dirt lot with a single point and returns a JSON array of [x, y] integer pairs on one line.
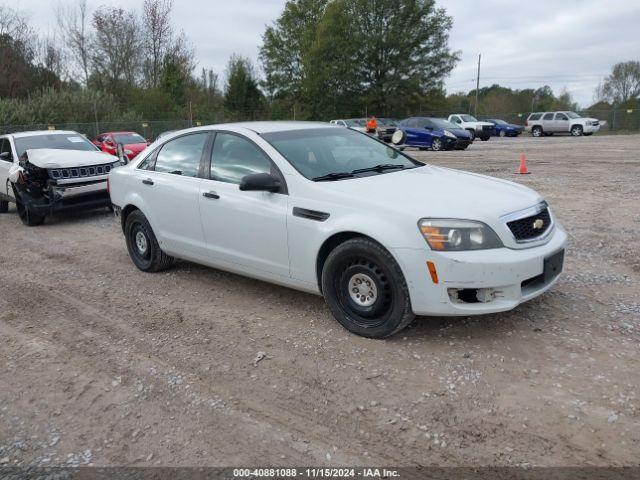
[[105, 365]]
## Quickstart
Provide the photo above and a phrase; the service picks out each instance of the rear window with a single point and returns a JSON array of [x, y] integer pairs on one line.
[[535, 116]]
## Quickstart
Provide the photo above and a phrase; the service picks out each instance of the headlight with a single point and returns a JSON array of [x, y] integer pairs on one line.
[[447, 234], [447, 133]]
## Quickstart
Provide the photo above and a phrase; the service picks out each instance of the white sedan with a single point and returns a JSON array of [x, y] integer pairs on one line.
[[334, 212]]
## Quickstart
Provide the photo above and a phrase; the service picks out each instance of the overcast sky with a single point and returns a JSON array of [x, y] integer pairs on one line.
[[568, 45]]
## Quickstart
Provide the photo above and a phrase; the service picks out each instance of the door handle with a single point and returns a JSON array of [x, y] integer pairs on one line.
[[147, 181], [211, 195]]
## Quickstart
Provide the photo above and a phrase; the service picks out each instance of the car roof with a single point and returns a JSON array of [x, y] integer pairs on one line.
[[114, 133], [43, 132], [265, 127]]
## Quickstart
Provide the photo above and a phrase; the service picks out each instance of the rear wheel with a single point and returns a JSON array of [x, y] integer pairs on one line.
[[576, 130], [437, 144], [502, 133], [472, 133], [365, 289], [144, 250], [4, 206], [537, 131], [484, 139]]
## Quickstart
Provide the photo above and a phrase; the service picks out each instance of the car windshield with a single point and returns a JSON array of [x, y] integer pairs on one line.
[[128, 138], [58, 141], [468, 118], [572, 115], [353, 123], [320, 152], [389, 122], [442, 123]]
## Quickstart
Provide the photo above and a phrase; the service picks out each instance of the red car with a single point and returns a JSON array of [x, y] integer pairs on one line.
[[131, 141]]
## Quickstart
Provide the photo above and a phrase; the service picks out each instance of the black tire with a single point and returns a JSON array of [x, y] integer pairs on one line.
[[28, 216], [588, 134], [485, 139], [4, 206], [142, 244], [473, 134], [362, 259], [437, 144], [537, 131], [577, 131]]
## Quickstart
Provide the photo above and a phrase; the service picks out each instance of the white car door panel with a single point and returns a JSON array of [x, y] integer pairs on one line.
[[171, 190], [5, 165], [248, 228]]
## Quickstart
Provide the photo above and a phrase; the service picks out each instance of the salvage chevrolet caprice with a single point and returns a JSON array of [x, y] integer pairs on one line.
[[335, 212]]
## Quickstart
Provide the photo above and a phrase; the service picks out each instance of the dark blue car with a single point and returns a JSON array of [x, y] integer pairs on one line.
[[429, 132], [504, 129]]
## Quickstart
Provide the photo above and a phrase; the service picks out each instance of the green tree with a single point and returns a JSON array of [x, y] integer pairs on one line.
[[622, 85], [242, 95], [355, 53]]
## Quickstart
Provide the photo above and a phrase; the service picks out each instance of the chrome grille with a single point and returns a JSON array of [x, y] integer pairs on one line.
[[80, 172]]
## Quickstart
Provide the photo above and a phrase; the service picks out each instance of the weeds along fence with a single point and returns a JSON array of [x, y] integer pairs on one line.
[[617, 121]]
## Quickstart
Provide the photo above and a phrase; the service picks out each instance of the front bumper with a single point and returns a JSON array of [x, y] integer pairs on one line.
[[69, 197], [504, 277], [590, 128]]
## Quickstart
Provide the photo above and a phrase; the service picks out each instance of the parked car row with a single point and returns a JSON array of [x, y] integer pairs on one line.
[[318, 208]]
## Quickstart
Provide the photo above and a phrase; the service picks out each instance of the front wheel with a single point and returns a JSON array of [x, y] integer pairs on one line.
[[365, 289], [437, 144], [142, 244], [473, 134], [485, 139], [576, 130], [28, 216], [4, 206]]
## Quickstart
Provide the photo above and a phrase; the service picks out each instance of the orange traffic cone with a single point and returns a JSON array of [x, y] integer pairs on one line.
[[523, 165]]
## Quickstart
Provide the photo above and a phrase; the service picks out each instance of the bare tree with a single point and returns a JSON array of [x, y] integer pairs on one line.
[[73, 22], [115, 55], [158, 37], [622, 85]]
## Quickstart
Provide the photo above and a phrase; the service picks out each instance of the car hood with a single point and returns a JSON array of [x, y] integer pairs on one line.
[[439, 192], [136, 147], [460, 132], [55, 158]]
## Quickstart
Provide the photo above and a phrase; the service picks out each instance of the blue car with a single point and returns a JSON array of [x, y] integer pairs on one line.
[[429, 132], [504, 129]]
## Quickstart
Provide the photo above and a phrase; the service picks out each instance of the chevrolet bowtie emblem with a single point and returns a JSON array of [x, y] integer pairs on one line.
[[538, 224]]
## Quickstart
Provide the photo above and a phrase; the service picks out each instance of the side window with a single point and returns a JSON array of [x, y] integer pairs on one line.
[[5, 147], [561, 116], [427, 124], [234, 157], [456, 120], [182, 155], [534, 116], [548, 116]]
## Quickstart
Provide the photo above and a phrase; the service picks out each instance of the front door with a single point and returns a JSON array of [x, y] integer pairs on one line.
[[244, 228]]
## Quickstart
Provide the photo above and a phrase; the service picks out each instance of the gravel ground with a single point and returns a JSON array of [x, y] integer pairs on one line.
[[105, 365]]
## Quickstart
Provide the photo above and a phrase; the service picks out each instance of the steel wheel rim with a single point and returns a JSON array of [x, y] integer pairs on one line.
[[363, 290]]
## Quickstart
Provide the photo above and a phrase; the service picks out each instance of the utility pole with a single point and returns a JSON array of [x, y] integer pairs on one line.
[[477, 86]]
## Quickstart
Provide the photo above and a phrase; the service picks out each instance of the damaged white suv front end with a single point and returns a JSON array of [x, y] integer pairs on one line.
[[45, 180]]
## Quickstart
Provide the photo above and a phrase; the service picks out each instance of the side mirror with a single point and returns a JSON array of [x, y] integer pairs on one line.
[[263, 182], [5, 156]]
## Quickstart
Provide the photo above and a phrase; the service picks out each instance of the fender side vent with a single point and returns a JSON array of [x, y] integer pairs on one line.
[[310, 214]]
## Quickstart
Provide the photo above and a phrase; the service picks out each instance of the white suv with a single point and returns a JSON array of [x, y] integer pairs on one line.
[[548, 123], [48, 171], [333, 212]]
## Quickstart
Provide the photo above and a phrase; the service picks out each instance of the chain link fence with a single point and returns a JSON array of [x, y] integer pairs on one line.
[[616, 121]]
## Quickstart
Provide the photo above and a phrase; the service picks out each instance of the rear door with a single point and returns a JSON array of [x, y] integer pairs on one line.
[[169, 182], [248, 229], [561, 122], [547, 122]]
